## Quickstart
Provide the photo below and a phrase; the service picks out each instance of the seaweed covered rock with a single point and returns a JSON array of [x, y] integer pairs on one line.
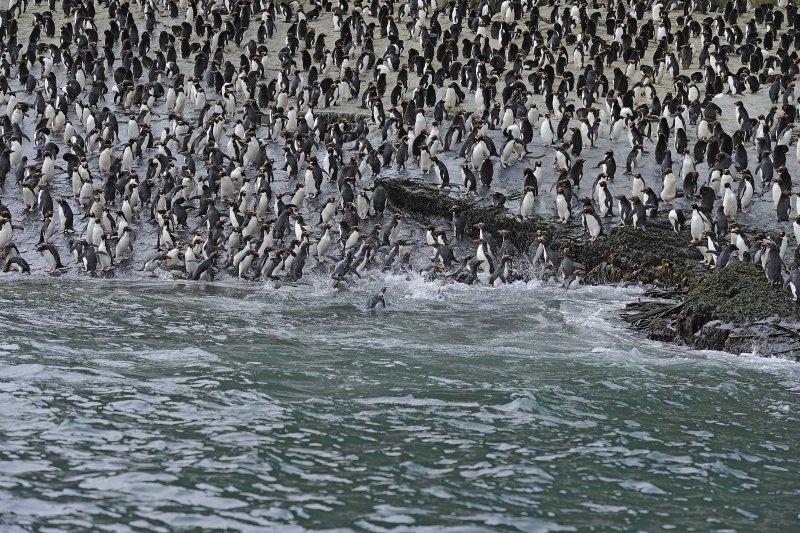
[[428, 202], [736, 310], [655, 255], [738, 293], [347, 118]]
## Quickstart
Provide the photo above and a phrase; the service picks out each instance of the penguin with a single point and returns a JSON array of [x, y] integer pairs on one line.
[[605, 199], [89, 259], [498, 199], [376, 299], [608, 165], [745, 192], [343, 268], [624, 209], [650, 200], [638, 212], [6, 232], [442, 174], [637, 185], [729, 201], [324, 243], [17, 264], [668, 187], [487, 173], [571, 273], [51, 257], [677, 219], [48, 228], [546, 131], [634, 156], [378, 200], [563, 207], [591, 223], [205, 269], [773, 266], [720, 222], [459, 222], [700, 222], [725, 256], [707, 198], [690, 184], [784, 206], [527, 203], [792, 284]]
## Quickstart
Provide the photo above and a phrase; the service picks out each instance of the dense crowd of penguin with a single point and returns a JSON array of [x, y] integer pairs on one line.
[[189, 138]]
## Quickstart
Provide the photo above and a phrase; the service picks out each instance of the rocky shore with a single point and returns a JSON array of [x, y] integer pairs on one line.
[[733, 310]]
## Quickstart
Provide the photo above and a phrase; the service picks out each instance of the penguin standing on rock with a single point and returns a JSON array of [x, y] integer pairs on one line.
[[459, 222], [591, 223], [563, 207], [51, 256], [773, 266]]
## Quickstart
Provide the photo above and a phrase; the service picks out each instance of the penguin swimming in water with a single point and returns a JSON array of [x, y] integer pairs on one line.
[[376, 299]]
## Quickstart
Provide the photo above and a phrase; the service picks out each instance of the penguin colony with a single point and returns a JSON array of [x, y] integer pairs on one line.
[[190, 138]]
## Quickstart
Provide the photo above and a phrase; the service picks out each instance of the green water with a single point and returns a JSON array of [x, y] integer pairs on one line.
[[132, 406]]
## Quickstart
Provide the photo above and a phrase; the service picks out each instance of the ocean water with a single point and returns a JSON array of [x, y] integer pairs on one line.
[[131, 405]]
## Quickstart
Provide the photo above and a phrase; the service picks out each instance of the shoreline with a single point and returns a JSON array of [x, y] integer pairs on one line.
[[683, 304], [758, 313]]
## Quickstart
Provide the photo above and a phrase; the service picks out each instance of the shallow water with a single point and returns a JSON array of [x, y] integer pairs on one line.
[[524, 408]]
